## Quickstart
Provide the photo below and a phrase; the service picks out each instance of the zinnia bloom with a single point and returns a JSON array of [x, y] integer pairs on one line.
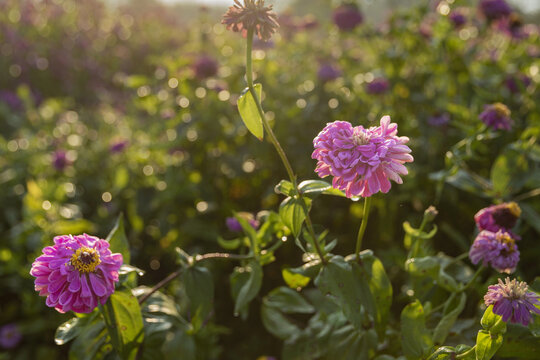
[[328, 72], [205, 67], [10, 336], [497, 116], [361, 160], [76, 273], [378, 86], [495, 9], [512, 301], [347, 17], [234, 225], [497, 249], [252, 15], [60, 160], [498, 217]]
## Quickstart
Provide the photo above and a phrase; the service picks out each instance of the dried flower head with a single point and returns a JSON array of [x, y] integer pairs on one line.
[[497, 116], [362, 161], [252, 15], [512, 301], [498, 217], [497, 249], [77, 273]]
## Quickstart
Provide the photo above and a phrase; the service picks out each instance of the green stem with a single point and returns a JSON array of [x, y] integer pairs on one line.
[[275, 142], [466, 353], [475, 276], [224, 256], [363, 225]]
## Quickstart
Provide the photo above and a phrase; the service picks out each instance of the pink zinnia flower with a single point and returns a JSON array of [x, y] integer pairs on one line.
[[512, 301], [361, 160], [497, 249], [498, 217], [76, 273]]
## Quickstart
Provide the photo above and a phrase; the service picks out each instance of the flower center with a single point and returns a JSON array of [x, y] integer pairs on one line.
[[85, 260], [360, 138], [515, 289], [501, 109], [508, 241]]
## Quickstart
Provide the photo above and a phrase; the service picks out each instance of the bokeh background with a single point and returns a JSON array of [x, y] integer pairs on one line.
[[110, 107]]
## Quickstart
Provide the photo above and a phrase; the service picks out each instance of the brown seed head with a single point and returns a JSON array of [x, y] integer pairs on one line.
[[252, 15]]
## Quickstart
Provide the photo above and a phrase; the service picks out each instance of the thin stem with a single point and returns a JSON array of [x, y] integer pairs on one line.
[[458, 258], [161, 284], [275, 142], [363, 225], [475, 276], [224, 256], [466, 353], [527, 195]]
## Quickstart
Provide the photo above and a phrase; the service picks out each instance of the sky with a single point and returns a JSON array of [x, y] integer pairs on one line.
[[525, 5]]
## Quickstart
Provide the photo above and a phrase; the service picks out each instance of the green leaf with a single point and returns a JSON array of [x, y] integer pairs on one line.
[[250, 113], [487, 344], [294, 280], [67, 331], [118, 240], [276, 323], [508, 173], [337, 281], [530, 216], [285, 187], [492, 322], [293, 213], [180, 346], [91, 343], [229, 244], [415, 338], [199, 286], [376, 288], [423, 266], [247, 287], [519, 343], [124, 323], [443, 353], [452, 308], [288, 301], [313, 187]]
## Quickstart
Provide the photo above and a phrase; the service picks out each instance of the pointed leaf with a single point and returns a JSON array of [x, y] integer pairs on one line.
[[118, 240], [250, 113], [293, 213], [247, 286], [487, 344], [415, 338]]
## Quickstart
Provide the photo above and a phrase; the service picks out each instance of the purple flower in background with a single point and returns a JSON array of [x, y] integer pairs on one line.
[[439, 120], [60, 160], [118, 146], [497, 249], [498, 217], [497, 116], [517, 83], [11, 100], [512, 301], [495, 9], [77, 273], [378, 86], [10, 336], [361, 160], [457, 17], [309, 22], [347, 17], [234, 225], [205, 67], [328, 72]]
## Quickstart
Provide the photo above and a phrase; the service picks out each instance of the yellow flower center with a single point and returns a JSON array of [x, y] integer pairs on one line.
[[514, 209], [508, 240], [85, 260], [501, 109]]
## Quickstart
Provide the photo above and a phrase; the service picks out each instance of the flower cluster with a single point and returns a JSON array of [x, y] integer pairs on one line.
[[252, 15], [361, 160], [77, 273], [497, 116], [512, 301]]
